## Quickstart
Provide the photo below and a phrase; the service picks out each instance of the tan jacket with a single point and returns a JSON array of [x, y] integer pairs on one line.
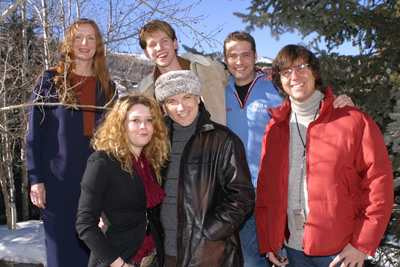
[[213, 77]]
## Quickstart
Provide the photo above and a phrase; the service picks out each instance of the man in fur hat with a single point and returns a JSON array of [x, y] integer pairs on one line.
[[207, 181]]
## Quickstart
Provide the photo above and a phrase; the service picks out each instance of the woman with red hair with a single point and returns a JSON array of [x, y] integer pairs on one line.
[[59, 133]]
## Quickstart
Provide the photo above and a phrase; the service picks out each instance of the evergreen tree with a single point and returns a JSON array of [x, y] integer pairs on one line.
[[371, 78], [373, 26]]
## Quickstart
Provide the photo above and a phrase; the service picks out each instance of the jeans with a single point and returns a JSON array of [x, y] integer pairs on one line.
[[298, 258], [249, 242]]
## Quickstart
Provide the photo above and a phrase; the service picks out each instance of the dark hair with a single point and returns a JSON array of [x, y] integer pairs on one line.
[[240, 36], [287, 57]]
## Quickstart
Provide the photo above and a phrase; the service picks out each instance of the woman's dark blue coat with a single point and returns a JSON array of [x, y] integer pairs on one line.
[[57, 152]]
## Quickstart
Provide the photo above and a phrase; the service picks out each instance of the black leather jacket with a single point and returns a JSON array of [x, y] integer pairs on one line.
[[214, 195]]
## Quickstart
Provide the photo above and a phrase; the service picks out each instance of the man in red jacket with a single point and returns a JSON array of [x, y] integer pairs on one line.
[[325, 184]]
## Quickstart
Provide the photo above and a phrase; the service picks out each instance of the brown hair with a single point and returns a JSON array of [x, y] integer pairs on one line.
[[66, 67], [240, 36], [111, 137], [152, 27], [287, 57]]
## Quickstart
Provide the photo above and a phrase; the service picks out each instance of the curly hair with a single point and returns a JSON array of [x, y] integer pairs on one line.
[[111, 137], [66, 66], [287, 57]]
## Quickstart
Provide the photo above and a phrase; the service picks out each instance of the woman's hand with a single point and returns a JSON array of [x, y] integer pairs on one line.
[[119, 262], [38, 195]]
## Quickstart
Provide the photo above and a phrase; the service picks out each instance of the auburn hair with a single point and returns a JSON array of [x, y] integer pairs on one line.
[[66, 67], [111, 136]]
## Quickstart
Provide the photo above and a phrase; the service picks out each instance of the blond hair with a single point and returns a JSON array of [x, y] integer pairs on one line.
[[111, 136], [67, 65]]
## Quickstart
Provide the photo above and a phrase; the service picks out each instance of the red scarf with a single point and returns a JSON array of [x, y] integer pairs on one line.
[[154, 196]]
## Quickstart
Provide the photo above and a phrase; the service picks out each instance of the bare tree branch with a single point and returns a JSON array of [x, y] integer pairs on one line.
[[73, 106], [10, 10]]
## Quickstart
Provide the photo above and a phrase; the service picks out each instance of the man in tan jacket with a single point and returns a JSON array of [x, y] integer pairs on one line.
[[158, 40]]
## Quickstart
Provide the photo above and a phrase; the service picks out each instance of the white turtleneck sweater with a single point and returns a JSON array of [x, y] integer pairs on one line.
[[305, 113]]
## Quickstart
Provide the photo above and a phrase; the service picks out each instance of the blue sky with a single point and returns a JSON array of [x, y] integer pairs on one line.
[[220, 13]]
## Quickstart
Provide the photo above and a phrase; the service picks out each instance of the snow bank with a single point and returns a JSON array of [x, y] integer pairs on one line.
[[24, 245]]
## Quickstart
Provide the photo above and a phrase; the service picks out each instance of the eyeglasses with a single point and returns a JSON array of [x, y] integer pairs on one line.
[[299, 69]]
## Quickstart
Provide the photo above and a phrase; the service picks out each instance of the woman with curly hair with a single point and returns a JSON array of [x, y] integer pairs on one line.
[[121, 184], [59, 133]]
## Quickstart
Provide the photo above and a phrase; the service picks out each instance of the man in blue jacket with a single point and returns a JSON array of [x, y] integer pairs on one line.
[[248, 98]]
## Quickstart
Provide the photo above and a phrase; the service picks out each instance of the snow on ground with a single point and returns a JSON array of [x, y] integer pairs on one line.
[[24, 245]]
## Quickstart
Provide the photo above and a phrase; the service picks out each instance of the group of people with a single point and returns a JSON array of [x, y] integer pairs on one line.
[[203, 166]]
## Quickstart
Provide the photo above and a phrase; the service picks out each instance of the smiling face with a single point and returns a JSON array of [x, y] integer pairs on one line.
[[240, 59], [182, 108], [138, 127], [300, 86], [162, 50], [84, 45]]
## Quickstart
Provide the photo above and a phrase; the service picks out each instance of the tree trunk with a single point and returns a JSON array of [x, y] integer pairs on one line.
[[45, 25], [7, 181], [24, 184], [3, 183]]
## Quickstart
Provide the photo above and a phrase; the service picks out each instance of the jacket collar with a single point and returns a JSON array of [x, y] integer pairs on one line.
[[193, 58], [259, 73], [282, 112], [185, 65], [148, 81]]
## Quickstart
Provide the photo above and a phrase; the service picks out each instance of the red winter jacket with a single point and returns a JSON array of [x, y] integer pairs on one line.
[[349, 181]]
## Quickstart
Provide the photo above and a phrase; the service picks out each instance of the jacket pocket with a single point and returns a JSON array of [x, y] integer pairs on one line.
[[210, 253]]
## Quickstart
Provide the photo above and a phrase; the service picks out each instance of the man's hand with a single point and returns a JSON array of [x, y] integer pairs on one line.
[[342, 101], [352, 257], [276, 260], [268, 74], [38, 195]]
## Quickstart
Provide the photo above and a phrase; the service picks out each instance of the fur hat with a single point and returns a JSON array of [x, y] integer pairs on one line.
[[175, 83]]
